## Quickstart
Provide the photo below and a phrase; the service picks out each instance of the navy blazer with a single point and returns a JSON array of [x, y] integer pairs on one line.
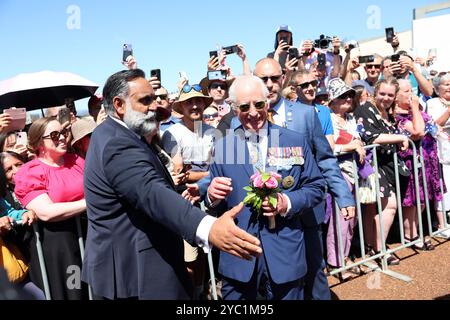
[[134, 245], [283, 247], [303, 119]]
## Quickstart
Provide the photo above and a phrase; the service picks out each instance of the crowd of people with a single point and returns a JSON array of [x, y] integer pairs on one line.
[[130, 178]]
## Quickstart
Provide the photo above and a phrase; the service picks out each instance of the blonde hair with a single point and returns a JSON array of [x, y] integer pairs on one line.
[[389, 82]]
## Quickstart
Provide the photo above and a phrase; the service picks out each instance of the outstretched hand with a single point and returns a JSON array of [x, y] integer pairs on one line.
[[228, 237]]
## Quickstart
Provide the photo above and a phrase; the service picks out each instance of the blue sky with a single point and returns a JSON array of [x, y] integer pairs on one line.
[[172, 35]]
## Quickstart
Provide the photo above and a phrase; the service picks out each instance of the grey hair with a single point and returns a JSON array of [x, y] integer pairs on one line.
[[117, 86], [438, 80], [403, 81], [245, 80]]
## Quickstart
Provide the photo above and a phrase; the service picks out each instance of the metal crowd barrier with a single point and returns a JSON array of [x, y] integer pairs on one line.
[[418, 163], [42, 259], [366, 261]]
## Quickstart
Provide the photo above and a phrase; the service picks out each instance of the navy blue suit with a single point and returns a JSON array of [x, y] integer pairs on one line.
[[134, 245], [303, 118], [283, 247]]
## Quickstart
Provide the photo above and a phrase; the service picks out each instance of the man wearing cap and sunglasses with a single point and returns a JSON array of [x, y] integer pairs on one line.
[[303, 118], [134, 246]]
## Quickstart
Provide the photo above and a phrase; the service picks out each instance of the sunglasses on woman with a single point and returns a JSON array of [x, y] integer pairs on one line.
[[347, 95], [246, 106], [54, 135], [188, 88]]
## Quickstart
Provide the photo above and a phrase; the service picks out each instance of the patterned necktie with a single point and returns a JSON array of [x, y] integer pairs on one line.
[[270, 114], [256, 154]]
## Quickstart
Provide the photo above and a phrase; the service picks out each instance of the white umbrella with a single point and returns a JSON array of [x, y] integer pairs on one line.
[[44, 89]]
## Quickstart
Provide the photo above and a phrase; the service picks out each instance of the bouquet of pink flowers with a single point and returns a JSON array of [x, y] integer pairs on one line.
[[262, 185]]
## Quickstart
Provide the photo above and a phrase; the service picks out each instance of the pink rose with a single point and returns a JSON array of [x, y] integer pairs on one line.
[[258, 182], [253, 177], [275, 175], [271, 183]]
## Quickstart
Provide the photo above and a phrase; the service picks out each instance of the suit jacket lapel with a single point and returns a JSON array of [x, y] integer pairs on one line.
[[158, 164]]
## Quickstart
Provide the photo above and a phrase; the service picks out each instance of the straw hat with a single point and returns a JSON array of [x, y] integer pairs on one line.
[[81, 128], [189, 92]]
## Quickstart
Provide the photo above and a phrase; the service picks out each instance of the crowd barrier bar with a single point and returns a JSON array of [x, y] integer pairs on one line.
[[366, 261], [212, 275], [81, 244], [42, 262]]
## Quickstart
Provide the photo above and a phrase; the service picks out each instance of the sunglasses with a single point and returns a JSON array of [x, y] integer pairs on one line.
[[371, 66], [246, 107], [272, 78], [306, 85], [223, 86], [161, 96], [211, 116], [188, 88], [346, 95], [54, 135]]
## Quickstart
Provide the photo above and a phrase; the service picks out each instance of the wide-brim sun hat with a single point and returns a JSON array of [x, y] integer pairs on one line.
[[190, 92], [81, 128], [336, 88]]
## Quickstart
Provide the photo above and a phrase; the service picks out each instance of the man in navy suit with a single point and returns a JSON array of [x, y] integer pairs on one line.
[[282, 266], [303, 119], [134, 246]]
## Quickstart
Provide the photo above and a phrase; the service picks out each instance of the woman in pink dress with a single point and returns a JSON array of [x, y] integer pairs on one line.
[[52, 186]]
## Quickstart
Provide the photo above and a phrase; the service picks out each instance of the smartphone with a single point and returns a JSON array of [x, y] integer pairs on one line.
[[217, 75], [366, 59], [127, 51], [18, 116], [186, 167], [231, 49], [213, 54], [156, 73], [390, 34], [64, 115], [183, 74], [284, 39], [322, 59], [21, 138], [293, 53], [395, 57]]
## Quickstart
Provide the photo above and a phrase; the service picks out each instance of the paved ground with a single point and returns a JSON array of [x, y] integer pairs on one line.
[[429, 270]]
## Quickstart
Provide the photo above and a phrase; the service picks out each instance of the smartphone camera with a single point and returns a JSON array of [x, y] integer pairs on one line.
[[64, 115], [395, 57], [217, 75], [390, 34], [231, 49], [322, 59], [156, 73], [213, 54], [127, 51], [293, 53], [366, 59]]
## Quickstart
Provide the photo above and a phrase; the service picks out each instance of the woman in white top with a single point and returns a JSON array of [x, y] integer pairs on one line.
[[439, 110]]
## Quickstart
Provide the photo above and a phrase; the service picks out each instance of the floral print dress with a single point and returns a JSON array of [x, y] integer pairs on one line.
[[430, 158]]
